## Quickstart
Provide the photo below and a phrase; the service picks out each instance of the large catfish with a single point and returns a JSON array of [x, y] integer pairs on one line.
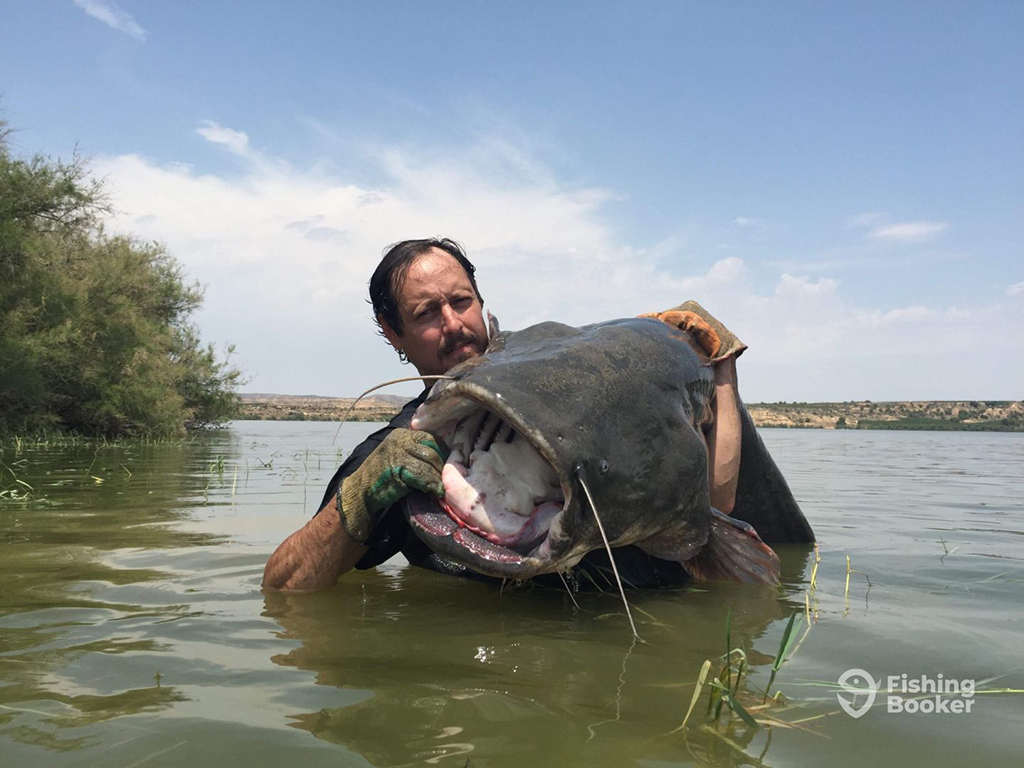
[[618, 407]]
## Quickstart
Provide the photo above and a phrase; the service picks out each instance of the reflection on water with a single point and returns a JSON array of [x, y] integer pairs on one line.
[[521, 673], [133, 630], [74, 618]]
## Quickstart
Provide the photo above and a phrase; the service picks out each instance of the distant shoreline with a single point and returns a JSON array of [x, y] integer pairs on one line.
[[268, 407], [917, 415]]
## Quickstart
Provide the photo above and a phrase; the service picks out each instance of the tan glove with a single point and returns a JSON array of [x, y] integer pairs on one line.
[[406, 460], [717, 341]]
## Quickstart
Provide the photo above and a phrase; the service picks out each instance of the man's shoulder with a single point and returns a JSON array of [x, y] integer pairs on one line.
[[369, 443], [404, 416]]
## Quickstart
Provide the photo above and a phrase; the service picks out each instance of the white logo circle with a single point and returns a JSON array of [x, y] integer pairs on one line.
[[859, 682]]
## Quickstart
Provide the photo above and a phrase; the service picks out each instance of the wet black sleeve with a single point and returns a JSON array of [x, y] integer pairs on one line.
[[389, 534]]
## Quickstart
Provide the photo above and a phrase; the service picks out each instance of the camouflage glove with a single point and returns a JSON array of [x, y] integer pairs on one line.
[[406, 460], [717, 340]]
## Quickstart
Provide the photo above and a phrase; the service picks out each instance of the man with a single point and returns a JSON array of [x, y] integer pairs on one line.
[[426, 302], [427, 305]]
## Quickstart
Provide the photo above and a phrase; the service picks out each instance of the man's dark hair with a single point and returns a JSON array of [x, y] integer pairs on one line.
[[386, 283]]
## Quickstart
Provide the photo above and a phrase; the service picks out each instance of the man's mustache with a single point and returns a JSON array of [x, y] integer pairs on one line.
[[466, 337]]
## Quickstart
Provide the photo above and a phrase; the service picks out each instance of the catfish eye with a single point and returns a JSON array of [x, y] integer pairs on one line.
[[604, 466]]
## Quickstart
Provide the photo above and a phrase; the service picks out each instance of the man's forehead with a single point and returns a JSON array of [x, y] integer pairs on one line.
[[430, 275]]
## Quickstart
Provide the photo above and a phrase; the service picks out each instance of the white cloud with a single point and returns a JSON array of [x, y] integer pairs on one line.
[[286, 254], [1016, 289], [910, 231], [958, 314], [235, 142], [747, 221], [897, 316], [863, 219], [726, 271], [115, 17], [790, 285]]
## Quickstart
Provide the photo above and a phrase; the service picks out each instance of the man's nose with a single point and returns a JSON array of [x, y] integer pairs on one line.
[[450, 319]]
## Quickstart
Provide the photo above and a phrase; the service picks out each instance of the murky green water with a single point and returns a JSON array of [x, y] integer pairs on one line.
[[133, 630]]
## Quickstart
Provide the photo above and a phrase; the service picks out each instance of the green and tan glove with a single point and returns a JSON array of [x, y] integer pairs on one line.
[[717, 341], [406, 460]]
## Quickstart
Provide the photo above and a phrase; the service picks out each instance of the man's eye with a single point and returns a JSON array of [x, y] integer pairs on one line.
[[465, 301]]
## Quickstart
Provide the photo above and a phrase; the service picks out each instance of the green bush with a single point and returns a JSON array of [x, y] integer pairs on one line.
[[94, 329]]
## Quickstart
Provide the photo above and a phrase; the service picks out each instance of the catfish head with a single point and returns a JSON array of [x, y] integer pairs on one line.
[[618, 403]]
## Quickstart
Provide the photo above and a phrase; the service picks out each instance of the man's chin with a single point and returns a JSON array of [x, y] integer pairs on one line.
[[460, 355]]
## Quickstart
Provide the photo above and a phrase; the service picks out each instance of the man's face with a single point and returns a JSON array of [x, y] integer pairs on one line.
[[442, 318]]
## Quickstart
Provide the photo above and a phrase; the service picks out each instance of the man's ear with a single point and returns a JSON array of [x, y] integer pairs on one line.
[[389, 333]]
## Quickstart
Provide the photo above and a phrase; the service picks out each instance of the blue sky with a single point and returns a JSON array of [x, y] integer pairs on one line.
[[841, 185]]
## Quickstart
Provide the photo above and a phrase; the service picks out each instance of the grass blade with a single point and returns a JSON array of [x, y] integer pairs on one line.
[[738, 708], [735, 706], [728, 651], [701, 678], [784, 645]]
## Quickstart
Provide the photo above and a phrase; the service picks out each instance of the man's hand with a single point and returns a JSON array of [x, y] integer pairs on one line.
[[406, 460], [718, 342]]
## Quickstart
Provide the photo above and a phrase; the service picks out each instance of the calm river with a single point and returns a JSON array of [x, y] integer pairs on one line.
[[133, 630]]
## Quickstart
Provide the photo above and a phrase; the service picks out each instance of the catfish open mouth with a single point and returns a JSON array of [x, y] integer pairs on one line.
[[503, 498]]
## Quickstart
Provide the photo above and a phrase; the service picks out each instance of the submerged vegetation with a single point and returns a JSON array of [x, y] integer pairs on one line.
[[95, 337]]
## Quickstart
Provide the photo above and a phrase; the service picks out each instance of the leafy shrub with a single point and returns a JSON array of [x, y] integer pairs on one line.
[[94, 329]]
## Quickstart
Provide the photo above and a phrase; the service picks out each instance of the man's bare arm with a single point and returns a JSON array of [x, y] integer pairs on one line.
[[314, 556], [725, 438], [331, 543]]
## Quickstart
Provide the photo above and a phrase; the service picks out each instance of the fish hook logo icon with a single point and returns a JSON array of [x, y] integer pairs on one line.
[[859, 683]]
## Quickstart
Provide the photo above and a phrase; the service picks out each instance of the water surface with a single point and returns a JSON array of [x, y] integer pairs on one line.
[[133, 630]]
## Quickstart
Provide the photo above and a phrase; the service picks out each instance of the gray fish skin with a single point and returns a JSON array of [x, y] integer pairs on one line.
[[619, 402], [763, 497]]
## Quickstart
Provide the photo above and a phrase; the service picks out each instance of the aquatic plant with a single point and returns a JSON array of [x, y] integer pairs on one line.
[[784, 645], [730, 687]]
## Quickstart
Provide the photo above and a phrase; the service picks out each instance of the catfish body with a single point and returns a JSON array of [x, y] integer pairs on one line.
[[618, 403]]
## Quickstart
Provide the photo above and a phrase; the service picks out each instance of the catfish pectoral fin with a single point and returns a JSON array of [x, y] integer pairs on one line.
[[734, 552]]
